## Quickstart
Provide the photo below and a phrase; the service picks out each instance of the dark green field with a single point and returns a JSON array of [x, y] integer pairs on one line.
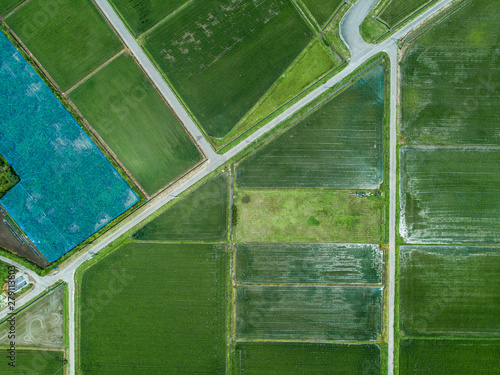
[[280, 263], [322, 10], [141, 15], [123, 106], [212, 52], [155, 309], [7, 6], [450, 79], [33, 362], [449, 357], [69, 38], [398, 10], [450, 291], [309, 215], [450, 195], [8, 177], [308, 313], [301, 359], [201, 216], [338, 146]]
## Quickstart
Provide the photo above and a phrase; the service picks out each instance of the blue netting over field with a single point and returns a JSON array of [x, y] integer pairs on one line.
[[68, 189]]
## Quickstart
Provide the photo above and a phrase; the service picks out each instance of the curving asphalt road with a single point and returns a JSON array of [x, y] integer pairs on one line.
[[361, 52]]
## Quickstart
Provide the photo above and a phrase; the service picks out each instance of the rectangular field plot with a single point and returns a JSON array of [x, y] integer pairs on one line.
[[141, 15], [34, 362], [279, 263], [7, 6], [322, 10], [397, 10], [122, 105], [450, 79], [308, 313], [68, 190], [340, 145], [40, 325], [450, 195], [450, 291], [170, 299], [212, 52], [201, 216], [287, 358], [291, 215], [69, 38], [449, 357]]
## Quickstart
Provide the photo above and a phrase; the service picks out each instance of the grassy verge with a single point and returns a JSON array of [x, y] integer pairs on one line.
[[8, 177]]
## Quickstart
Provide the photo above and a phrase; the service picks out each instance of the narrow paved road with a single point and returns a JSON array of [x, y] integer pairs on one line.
[[361, 52]]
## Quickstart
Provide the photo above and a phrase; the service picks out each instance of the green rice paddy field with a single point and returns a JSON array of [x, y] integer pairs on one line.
[[450, 195], [449, 357], [69, 38], [123, 106], [205, 46], [155, 309], [201, 216], [340, 145], [450, 291], [450, 84], [7, 6], [309, 215], [308, 312], [141, 15], [286, 358], [34, 362], [309, 263], [322, 10], [397, 10]]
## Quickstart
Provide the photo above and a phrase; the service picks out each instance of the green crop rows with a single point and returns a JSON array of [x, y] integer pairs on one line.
[[338, 146], [7, 6], [155, 309], [201, 216], [397, 10], [8, 177], [141, 15], [285, 358], [322, 10], [308, 313], [450, 195], [69, 38], [450, 84], [324, 215], [440, 357], [34, 362], [309, 263], [122, 105], [204, 47], [450, 291]]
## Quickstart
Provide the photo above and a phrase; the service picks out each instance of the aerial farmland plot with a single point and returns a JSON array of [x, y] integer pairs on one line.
[[397, 10], [203, 47], [288, 358], [141, 15], [340, 145], [201, 216], [308, 312], [308, 263], [69, 38], [35, 362], [7, 6], [322, 10], [450, 84], [168, 298], [450, 291], [450, 195], [122, 105], [464, 357]]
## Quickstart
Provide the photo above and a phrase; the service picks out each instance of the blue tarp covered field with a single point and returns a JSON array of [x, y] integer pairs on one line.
[[68, 189]]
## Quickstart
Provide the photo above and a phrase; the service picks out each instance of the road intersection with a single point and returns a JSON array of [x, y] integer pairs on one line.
[[360, 53]]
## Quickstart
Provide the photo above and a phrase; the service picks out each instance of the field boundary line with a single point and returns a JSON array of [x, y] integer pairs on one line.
[[309, 341], [124, 50], [15, 9], [301, 285], [141, 37]]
